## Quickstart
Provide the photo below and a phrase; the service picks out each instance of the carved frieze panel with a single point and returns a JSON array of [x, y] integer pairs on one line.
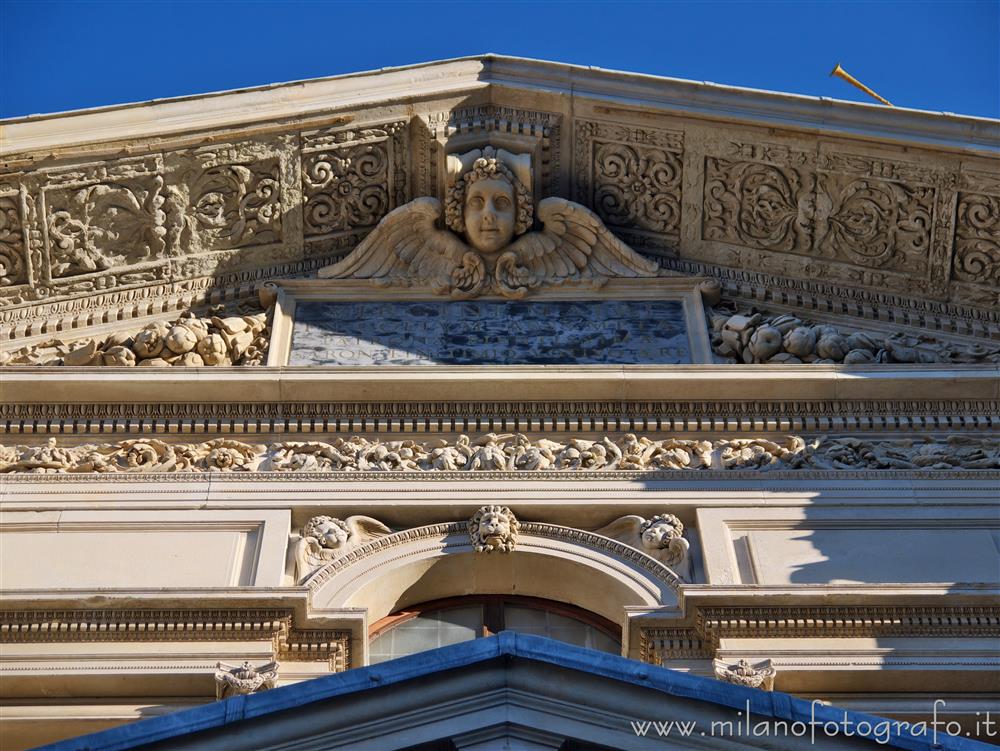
[[758, 205], [351, 178], [224, 197], [14, 264], [977, 240], [631, 177], [98, 218], [858, 219], [880, 214]]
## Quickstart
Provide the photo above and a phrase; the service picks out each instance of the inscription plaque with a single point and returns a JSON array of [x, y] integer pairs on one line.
[[478, 332], [490, 333]]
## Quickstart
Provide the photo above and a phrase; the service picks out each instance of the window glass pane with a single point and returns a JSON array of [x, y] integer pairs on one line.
[[437, 628], [554, 626]]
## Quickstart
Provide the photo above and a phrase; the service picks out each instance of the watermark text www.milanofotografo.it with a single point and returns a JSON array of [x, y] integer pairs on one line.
[[880, 730]]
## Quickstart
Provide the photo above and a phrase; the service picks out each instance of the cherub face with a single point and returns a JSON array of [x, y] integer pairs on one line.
[[657, 536], [331, 535], [490, 214]]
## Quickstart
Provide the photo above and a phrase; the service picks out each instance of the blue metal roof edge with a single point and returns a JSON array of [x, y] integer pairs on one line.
[[765, 705]]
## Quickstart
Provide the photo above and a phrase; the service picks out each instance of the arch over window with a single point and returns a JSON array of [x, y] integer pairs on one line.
[[438, 623]]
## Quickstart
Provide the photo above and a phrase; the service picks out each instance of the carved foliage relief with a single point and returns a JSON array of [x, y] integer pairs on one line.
[[977, 239], [101, 217], [876, 213], [631, 178], [223, 197], [758, 205], [352, 178], [881, 217], [13, 255]]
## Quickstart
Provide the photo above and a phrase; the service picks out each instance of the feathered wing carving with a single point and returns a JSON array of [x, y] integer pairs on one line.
[[574, 244], [624, 529], [365, 528], [407, 248]]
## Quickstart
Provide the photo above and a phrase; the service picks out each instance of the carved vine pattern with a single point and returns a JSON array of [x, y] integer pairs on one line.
[[756, 204], [105, 225], [977, 239], [631, 178], [507, 453], [13, 261], [352, 180], [235, 205]]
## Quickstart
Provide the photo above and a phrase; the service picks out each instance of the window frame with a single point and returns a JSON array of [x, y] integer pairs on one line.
[[493, 621]]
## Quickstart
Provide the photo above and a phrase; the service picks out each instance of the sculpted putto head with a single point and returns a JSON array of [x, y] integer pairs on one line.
[[493, 528], [489, 204], [659, 531], [329, 532]]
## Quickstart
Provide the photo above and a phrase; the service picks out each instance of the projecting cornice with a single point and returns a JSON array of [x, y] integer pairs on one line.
[[688, 383], [268, 107]]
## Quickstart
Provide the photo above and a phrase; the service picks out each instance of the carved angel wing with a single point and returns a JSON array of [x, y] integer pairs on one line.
[[624, 529], [406, 246], [365, 528], [574, 244]]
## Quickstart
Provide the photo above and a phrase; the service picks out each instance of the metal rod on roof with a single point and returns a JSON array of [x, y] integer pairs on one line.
[[841, 73]]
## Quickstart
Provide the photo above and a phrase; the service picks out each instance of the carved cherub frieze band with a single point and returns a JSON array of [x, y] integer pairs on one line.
[[489, 246]]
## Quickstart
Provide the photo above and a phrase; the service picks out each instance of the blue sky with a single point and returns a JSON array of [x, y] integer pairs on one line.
[[57, 56]]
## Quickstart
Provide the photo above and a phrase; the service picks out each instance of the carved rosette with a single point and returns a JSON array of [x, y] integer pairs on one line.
[[631, 178]]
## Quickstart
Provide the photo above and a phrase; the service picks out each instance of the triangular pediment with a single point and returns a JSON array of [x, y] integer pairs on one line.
[[885, 216]]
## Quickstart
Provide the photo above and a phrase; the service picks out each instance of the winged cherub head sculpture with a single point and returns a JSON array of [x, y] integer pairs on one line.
[[489, 247], [488, 203]]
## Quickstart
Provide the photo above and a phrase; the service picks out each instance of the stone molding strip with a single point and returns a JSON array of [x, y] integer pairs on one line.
[[450, 77], [457, 384], [319, 418], [701, 640], [77, 626]]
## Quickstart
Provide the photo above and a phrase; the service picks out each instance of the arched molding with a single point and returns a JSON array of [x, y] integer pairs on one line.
[[550, 561]]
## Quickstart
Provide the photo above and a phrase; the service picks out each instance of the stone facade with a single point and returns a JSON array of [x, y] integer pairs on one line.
[[662, 352]]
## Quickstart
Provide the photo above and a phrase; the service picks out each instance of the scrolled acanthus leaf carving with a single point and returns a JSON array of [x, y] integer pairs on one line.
[[240, 680], [511, 453], [977, 239], [757, 675], [491, 208]]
